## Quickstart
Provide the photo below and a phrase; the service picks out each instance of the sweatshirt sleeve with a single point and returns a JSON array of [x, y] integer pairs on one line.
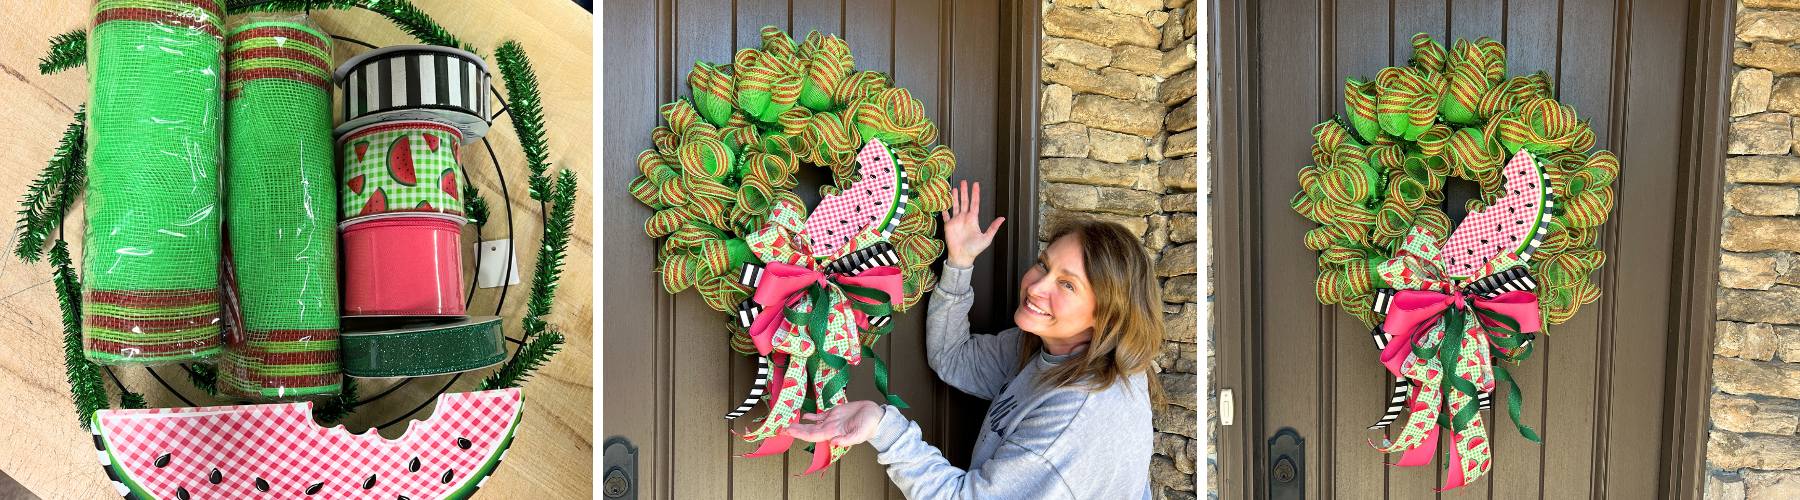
[[920, 471], [980, 365]]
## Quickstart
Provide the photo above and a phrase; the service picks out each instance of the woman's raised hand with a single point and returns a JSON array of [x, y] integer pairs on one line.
[[847, 424], [963, 237]]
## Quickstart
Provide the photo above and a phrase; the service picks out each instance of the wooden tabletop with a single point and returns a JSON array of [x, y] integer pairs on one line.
[[552, 458]]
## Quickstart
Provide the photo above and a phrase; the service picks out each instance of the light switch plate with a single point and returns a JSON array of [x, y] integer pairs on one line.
[[495, 257]]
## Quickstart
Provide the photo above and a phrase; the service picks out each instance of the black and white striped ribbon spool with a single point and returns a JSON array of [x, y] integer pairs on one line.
[[1516, 278], [417, 82], [757, 389]]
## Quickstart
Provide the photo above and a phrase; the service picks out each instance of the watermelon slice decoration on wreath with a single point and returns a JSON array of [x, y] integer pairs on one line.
[[1514, 223], [868, 209], [276, 451]]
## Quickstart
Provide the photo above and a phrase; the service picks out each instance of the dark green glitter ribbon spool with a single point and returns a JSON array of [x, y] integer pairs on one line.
[[419, 350]]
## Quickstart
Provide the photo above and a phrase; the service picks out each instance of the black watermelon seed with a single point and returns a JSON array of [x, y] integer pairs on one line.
[[261, 485], [369, 483], [403, 497], [413, 466], [162, 461], [181, 493], [448, 475], [463, 443], [314, 489], [215, 477]]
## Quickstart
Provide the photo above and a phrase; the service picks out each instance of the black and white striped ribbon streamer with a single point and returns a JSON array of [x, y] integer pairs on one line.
[[757, 389], [1516, 278]]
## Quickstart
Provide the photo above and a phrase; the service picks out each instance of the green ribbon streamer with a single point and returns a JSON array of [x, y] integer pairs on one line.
[[881, 378]]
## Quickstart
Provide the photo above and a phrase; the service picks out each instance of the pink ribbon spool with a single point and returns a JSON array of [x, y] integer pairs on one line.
[[403, 265]]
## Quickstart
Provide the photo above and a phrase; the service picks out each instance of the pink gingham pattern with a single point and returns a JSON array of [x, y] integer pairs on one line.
[[839, 218], [280, 444], [1506, 226]]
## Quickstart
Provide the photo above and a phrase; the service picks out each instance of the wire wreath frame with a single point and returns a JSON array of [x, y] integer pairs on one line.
[[506, 285]]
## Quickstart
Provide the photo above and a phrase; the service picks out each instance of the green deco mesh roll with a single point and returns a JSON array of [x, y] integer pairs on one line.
[[280, 206], [151, 255]]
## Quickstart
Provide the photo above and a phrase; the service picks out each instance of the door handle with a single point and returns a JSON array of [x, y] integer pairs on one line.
[[620, 462], [1287, 465]]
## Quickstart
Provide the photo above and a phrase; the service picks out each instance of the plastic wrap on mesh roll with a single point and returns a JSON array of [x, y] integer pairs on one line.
[[405, 166], [280, 189], [418, 349], [417, 82], [152, 246], [403, 264]]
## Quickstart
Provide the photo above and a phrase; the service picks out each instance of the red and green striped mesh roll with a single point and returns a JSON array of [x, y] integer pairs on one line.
[[281, 202], [1380, 171], [151, 255], [730, 154]]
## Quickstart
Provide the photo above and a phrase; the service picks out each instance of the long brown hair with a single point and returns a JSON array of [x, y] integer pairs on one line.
[[1128, 323]]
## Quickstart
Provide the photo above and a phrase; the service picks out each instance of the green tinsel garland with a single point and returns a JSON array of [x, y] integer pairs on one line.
[[67, 50], [48, 197], [558, 203]]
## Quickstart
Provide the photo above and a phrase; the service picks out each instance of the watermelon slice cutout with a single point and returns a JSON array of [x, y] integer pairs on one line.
[[356, 184], [400, 162], [276, 451], [1516, 222], [871, 203]]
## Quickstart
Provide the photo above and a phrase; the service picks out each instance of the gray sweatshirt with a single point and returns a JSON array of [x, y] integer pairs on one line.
[[1036, 443]]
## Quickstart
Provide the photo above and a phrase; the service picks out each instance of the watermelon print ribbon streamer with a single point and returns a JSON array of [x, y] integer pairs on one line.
[[1380, 171], [1445, 338], [813, 320]]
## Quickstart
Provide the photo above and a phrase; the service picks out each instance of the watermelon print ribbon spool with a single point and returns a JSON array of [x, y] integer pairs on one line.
[[279, 176], [420, 349], [417, 82], [401, 166], [276, 451], [406, 264], [152, 246]]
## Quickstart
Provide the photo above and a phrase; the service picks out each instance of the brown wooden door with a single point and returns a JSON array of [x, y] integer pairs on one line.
[[669, 373], [1610, 391]]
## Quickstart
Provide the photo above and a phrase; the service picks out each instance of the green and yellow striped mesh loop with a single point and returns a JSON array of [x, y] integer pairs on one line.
[[730, 153], [1380, 170]]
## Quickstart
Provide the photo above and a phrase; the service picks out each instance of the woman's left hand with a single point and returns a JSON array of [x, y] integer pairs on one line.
[[847, 424]]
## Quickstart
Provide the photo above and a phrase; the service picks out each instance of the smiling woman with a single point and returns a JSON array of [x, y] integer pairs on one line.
[[1075, 404]]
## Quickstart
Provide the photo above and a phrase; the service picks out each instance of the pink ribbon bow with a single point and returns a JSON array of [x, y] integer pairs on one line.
[[783, 285]]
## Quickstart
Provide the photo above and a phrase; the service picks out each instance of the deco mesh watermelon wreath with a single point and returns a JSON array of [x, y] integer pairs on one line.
[[811, 294], [725, 159], [1449, 114], [1446, 303]]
